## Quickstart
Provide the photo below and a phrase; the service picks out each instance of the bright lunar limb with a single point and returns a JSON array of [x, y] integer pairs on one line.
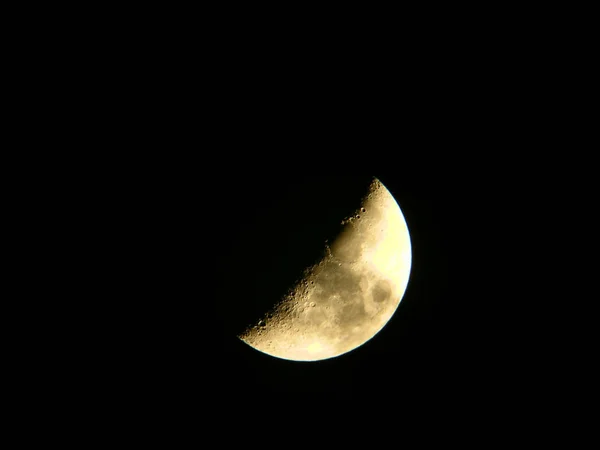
[[350, 295]]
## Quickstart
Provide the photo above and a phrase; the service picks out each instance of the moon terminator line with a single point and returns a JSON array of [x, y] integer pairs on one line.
[[346, 298]]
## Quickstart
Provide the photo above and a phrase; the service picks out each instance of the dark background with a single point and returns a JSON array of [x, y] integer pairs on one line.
[[184, 221], [172, 155], [204, 245], [179, 231]]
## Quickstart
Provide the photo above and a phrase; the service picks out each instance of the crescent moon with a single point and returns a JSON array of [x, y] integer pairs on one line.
[[345, 299]]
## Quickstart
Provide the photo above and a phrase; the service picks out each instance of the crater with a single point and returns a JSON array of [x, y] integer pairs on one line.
[[382, 291]]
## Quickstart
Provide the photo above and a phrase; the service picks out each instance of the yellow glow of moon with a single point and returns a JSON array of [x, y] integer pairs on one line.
[[350, 295]]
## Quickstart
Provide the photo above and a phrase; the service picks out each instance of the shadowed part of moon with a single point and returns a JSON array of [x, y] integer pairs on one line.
[[346, 246]]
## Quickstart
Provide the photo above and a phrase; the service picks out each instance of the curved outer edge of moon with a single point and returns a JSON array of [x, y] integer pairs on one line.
[[350, 295]]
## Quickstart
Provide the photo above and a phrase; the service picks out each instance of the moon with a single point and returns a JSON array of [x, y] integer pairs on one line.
[[345, 299]]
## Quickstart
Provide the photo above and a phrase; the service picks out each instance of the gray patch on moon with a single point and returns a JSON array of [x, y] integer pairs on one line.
[[337, 282], [342, 294], [382, 291], [353, 314]]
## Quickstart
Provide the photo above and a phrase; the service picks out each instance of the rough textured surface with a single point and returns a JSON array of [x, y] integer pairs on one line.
[[349, 296]]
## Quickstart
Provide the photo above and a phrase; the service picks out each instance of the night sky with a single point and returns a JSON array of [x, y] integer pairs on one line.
[[194, 202], [217, 236], [187, 249]]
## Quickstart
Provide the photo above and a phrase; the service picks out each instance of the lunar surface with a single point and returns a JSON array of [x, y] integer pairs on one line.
[[347, 297]]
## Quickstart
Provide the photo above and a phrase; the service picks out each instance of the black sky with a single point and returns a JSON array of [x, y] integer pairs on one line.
[[179, 169], [214, 255], [182, 248]]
